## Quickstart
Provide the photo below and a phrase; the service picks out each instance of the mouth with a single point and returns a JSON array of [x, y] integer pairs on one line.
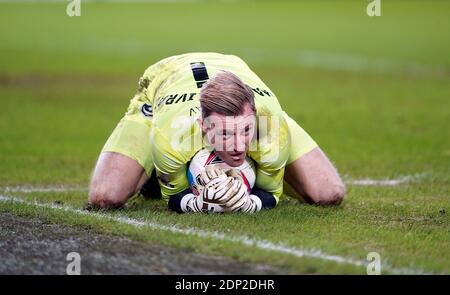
[[236, 156]]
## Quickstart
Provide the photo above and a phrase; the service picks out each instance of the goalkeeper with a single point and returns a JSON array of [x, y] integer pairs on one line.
[[187, 102]]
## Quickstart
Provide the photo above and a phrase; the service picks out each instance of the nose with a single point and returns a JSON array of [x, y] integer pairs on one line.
[[239, 143]]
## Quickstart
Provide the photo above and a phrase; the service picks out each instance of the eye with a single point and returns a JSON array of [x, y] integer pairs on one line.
[[248, 129]]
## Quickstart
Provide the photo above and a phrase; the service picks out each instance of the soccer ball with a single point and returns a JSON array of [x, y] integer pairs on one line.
[[205, 158]]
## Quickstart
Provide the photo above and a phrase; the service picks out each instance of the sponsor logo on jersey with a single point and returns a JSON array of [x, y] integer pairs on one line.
[[176, 98], [261, 91], [147, 110]]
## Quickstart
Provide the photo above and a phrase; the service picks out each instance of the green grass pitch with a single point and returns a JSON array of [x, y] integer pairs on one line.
[[374, 92]]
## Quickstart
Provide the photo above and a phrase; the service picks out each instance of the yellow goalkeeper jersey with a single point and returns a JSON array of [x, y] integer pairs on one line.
[[170, 89]]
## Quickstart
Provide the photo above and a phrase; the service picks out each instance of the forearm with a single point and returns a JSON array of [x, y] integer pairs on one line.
[[179, 202], [186, 201], [268, 200]]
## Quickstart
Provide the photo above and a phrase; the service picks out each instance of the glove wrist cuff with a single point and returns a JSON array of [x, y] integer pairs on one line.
[[257, 201], [189, 203]]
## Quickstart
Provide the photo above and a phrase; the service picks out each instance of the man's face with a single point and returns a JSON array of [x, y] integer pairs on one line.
[[230, 135]]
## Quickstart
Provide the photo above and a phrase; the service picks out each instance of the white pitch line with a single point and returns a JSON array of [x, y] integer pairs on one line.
[[41, 189], [62, 188], [374, 182], [386, 182], [258, 243]]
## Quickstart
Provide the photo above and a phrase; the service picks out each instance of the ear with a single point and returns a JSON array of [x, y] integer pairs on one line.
[[202, 125]]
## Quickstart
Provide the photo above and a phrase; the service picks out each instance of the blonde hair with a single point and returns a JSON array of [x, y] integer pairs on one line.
[[226, 95]]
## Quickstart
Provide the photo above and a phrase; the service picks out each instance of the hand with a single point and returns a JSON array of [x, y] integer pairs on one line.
[[235, 196], [207, 175], [208, 195], [218, 189], [250, 204], [230, 193], [241, 201]]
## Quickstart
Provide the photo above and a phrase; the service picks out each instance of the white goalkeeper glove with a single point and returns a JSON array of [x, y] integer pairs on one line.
[[219, 191], [228, 192], [246, 204], [231, 194], [239, 200], [209, 194], [192, 203], [207, 175]]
